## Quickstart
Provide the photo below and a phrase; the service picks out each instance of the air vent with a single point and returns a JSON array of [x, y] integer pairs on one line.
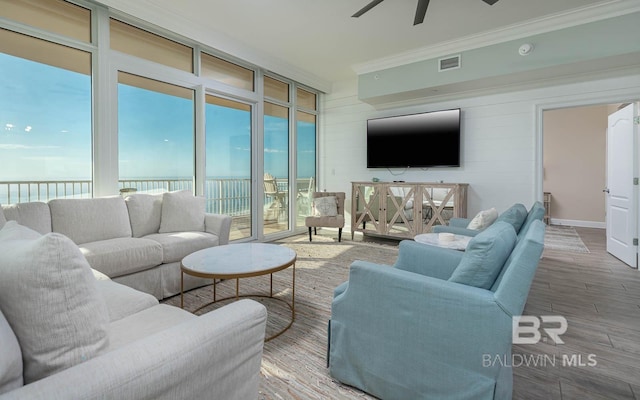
[[445, 64]]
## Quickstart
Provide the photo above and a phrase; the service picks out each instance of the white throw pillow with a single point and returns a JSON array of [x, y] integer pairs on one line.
[[483, 219], [182, 212], [145, 212], [49, 297], [326, 206]]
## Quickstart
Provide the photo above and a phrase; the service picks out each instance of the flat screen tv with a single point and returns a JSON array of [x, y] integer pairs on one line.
[[430, 139]]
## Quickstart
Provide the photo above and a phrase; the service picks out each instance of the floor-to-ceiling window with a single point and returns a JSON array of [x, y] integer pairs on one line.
[[276, 156], [96, 101], [306, 130], [228, 162], [45, 104], [228, 141]]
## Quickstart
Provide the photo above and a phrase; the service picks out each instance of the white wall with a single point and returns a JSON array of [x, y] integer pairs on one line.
[[501, 139], [575, 175]]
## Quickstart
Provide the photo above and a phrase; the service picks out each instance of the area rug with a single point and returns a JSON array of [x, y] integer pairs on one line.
[[564, 238], [294, 363]]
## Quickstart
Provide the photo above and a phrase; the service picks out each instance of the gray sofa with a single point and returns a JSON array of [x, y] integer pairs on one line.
[[69, 332], [138, 241]]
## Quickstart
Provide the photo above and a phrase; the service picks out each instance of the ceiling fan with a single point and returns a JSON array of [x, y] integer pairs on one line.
[[421, 10]]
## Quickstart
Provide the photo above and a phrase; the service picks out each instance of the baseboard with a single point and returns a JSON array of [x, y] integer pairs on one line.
[[582, 224]]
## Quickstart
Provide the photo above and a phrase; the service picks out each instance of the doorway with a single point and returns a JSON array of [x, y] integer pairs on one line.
[[574, 163]]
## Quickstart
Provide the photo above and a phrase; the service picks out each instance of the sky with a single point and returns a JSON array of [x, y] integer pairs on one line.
[[45, 122], [45, 131]]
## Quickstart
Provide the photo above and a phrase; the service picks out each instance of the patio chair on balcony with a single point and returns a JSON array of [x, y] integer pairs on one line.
[[304, 197], [277, 198]]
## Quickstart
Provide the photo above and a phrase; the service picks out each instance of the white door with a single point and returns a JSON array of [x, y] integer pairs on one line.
[[620, 191]]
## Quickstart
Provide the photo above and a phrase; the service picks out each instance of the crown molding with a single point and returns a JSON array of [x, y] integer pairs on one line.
[[567, 19]]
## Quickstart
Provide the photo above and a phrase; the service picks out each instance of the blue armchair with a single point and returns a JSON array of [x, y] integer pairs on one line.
[[516, 215], [423, 329]]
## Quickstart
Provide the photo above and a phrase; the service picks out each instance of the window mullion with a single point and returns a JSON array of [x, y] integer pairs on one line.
[[104, 105], [200, 142]]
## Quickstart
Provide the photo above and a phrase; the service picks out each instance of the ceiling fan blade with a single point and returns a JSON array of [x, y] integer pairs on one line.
[[490, 2], [367, 8], [421, 11]]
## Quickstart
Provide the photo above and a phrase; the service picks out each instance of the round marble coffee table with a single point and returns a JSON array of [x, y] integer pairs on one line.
[[459, 242], [243, 260]]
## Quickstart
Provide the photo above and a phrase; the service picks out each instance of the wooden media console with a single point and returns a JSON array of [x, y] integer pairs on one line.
[[405, 209]]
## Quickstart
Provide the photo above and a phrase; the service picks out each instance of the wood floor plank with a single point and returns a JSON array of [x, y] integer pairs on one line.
[[584, 331], [627, 344], [600, 297], [528, 388], [571, 391]]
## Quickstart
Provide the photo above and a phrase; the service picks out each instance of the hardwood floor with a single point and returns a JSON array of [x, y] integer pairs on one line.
[[600, 298]]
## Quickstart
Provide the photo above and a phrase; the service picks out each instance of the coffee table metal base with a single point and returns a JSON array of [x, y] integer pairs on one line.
[[236, 261], [291, 305]]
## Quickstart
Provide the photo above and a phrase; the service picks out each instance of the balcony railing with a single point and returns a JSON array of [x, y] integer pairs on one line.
[[224, 196], [25, 191]]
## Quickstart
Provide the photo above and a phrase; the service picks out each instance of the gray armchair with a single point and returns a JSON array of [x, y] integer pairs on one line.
[[326, 217]]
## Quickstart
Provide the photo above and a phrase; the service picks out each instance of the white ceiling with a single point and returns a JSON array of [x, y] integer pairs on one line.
[[321, 38]]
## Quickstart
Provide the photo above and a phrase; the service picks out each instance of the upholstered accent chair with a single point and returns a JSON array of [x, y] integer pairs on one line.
[[437, 323], [327, 210]]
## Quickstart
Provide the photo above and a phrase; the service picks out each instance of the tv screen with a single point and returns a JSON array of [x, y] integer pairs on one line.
[[423, 140]]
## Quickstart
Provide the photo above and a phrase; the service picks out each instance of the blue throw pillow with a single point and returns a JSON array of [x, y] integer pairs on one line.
[[515, 215], [485, 256]]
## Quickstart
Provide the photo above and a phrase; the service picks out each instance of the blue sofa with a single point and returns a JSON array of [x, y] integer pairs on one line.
[[516, 215], [433, 325]]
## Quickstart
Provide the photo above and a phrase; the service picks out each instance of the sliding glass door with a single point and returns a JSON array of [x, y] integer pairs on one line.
[[276, 168], [306, 129], [228, 162]]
